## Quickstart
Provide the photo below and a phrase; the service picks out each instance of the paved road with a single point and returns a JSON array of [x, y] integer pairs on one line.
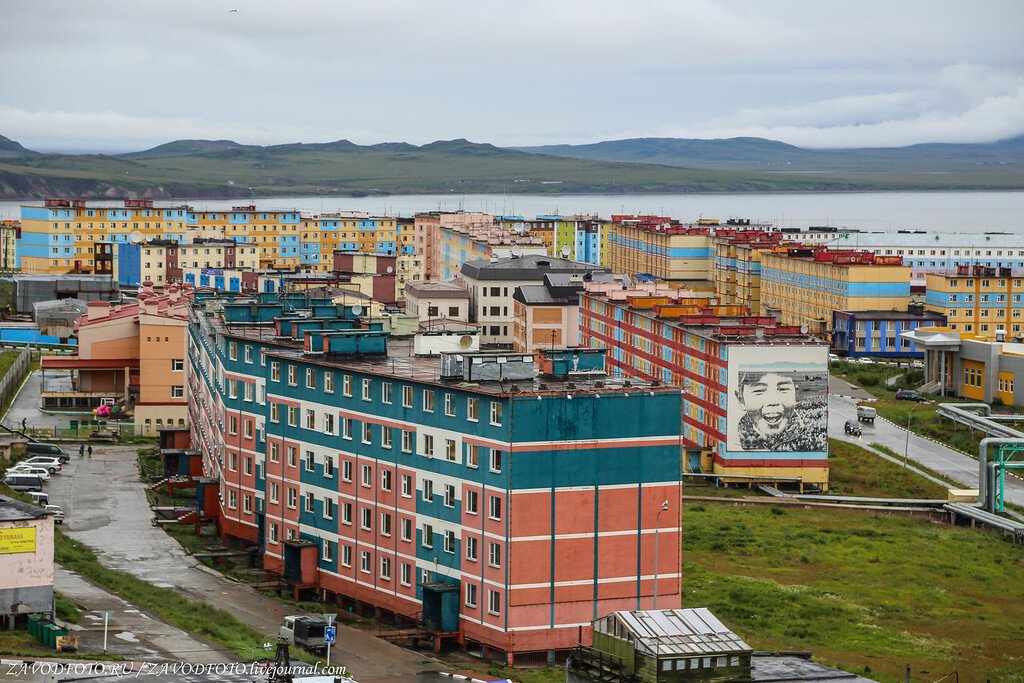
[[936, 457], [132, 631], [26, 406], [106, 508]]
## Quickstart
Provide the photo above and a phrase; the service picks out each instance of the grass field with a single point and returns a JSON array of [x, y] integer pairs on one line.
[[865, 592], [855, 471]]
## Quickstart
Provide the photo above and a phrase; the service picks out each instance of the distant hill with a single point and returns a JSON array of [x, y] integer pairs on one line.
[[223, 168], [9, 149], [762, 154]]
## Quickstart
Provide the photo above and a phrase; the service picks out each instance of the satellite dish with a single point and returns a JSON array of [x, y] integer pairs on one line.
[[803, 329], [390, 269], [357, 310], [136, 237], [565, 252], [465, 341]]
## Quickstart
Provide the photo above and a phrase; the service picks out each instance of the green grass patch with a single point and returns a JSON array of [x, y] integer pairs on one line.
[[198, 618], [855, 471], [67, 610], [859, 589]]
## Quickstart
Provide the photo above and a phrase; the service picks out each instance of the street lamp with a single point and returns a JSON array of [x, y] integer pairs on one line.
[[657, 528], [906, 444]]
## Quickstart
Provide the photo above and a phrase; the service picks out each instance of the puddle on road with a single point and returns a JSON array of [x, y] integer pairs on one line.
[[127, 637]]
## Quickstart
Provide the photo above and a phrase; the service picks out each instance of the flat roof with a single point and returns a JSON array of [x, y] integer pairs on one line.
[[894, 315], [13, 510]]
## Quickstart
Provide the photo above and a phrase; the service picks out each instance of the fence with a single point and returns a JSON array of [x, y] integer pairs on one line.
[[12, 379]]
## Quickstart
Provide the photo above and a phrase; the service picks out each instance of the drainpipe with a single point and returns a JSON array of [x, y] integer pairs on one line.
[[984, 495]]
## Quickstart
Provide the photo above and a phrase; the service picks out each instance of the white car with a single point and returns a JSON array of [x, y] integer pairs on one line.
[[53, 465], [57, 512], [40, 472]]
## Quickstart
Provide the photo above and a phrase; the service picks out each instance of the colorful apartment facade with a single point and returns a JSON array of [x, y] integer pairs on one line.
[[737, 265], [880, 333], [131, 356], [10, 233], [499, 507], [982, 301], [660, 247], [726, 361], [65, 236], [803, 286]]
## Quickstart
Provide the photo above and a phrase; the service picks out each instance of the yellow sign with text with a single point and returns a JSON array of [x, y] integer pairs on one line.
[[18, 540]]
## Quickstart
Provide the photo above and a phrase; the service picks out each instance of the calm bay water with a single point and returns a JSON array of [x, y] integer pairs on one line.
[[881, 211]]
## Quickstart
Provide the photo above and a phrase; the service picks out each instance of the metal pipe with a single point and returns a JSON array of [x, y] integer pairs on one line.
[[983, 493], [755, 477]]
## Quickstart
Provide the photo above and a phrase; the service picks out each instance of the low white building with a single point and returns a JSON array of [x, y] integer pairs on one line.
[[26, 559]]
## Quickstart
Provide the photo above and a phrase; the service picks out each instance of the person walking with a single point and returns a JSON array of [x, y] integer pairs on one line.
[[90, 450], [81, 451]]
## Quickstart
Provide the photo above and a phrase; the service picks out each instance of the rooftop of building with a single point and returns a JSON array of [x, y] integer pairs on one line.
[[527, 267], [13, 510], [453, 288], [360, 346], [977, 270], [895, 315], [839, 257], [165, 302], [564, 288]]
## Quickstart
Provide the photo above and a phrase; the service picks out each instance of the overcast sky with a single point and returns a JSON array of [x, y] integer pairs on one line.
[[128, 75]]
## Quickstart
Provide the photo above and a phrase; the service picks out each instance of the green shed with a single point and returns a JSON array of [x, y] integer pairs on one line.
[[664, 646]]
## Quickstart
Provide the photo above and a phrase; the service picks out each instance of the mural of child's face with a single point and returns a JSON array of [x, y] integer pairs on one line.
[[772, 396]]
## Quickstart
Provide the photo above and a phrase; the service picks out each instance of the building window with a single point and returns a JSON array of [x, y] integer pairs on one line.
[[428, 536], [385, 437], [471, 595], [428, 446], [406, 574], [366, 478], [385, 392], [494, 507], [310, 504], [275, 412], [232, 348], [473, 409], [309, 461], [494, 555], [310, 378], [470, 543], [407, 397], [406, 441], [328, 466], [328, 508], [346, 428], [328, 424], [177, 392], [496, 461], [293, 496], [449, 495], [428, 400], [346, 470], [293, 416], [274, 452], [364, 561], [385, 524], [367, 432], [449, 405], [407, 485], [273, 533], [346, 556], [449, 541], [292, 455], [367, 388], [406, 529], [496, 413], [385, 568], [177, 364], [310, 418], [493, 602], [346, 512], [365, 519], [293, 376], [428, 490], [346, 385], [329, 382]]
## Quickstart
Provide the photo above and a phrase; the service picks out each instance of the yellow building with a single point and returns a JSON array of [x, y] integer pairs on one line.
[[804, 286], [10, 232], [980, 300], [668, 251], [737, 265]]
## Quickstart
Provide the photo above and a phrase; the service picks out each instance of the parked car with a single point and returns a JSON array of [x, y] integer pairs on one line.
[[866, 414], [24, 482], [52, 464], [57, 511], [852, 427], [22, 468], [305, 631], [50, 449], [39, 498], [909, 395]]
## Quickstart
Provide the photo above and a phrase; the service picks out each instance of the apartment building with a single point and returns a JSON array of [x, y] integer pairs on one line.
[[755, 406], [10, 233], [661, 247], [581, 238], [737, 264], [465, 490], [438, 302], [129, 355], [547, 314], [980, 300], [493, 282], [935, 252], [880, 333], [803, 286], [427, 228]]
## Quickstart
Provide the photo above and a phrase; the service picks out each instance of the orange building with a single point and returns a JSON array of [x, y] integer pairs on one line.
[[129, 355]]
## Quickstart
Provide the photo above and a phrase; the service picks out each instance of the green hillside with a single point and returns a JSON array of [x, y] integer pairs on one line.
[[222, 168]]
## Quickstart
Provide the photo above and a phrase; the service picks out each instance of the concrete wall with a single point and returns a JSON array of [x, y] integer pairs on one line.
[[28, 577]]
